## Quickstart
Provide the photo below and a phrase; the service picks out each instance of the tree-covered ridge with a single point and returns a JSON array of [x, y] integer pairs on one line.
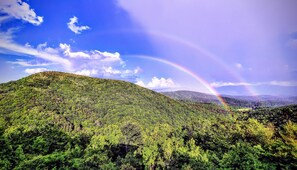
[[236, 101], [55, 120], [277, 116], [80, 102]]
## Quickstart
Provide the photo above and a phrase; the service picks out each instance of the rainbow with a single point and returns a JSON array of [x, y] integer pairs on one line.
[[204, 52], [188, 72], [191, 45]]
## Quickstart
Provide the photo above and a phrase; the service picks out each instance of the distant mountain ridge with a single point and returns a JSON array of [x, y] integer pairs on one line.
[[192, 96], [242, 101]]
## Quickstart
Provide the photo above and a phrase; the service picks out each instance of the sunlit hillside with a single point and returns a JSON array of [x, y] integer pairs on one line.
[[60, 120]]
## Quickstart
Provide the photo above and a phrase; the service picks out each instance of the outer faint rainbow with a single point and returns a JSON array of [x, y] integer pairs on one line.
[[190, 73], [196, 47], [205, 52]]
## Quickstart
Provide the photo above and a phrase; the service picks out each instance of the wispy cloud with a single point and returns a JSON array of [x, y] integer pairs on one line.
[[271, 83], [19, 10], [9, 46], [25, 63], [223, 84], [8, 35], [72, 25], [157, 83], [4, 18], [89, 63], [283, 83]]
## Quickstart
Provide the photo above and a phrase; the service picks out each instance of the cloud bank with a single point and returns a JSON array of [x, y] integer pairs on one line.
[[35, 70], [88, 62], [157, 83]]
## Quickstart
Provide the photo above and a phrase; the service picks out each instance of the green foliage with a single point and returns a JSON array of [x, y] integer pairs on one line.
[[256, 132], [55, 120], [131, 134], [277, 116], [244, 156]]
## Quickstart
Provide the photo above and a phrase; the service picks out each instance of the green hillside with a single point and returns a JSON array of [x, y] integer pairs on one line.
[[79, 102], [55, 120]]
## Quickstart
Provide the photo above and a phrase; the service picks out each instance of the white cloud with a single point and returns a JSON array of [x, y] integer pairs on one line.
[[157, 83], [108, 56], [86, 72], [39, 46], [271, 83], [72, 25], [110, 71], [103, 62], [67, 52], [35, 70], [43, 47], [140, 83], [137, 70], [93, 54], [27, 45], [238, 65], [19, 10]]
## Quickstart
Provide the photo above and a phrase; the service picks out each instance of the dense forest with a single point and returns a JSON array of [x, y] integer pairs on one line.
[[54, 120]]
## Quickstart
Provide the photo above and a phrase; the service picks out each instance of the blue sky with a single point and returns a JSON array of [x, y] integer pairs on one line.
[[233, 47]]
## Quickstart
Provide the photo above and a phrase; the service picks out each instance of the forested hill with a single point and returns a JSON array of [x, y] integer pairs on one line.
[[55, 120], [82, 102]]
